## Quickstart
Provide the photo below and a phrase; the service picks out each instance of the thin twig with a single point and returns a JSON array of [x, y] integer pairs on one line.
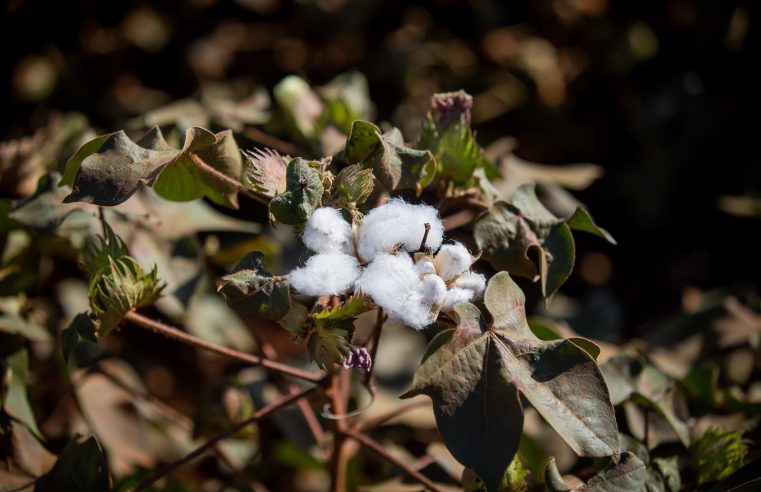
[[174, 333], [425, 236], [339, 457], [373, 341], [260, 414], [391, 414], [383, 453], [239, 187]]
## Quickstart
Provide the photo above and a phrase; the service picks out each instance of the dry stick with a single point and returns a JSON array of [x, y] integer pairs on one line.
[[174, 333], [240, 187], [383, 453], [271, 141], [425, 236], [260, 414], [339, 457]]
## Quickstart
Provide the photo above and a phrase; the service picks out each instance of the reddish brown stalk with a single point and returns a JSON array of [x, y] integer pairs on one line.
[[374, 446], [175, 334], [233, 183], [339, 458]]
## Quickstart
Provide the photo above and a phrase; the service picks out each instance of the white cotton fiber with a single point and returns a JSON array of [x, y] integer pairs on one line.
[[398, 222], [455, 296], [472, 281], [392, 282], [434, 289], [452, 260], [467, 288], [424, 266], [326, 274], [327, 232]]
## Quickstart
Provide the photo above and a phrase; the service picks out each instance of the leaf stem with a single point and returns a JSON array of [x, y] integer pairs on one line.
[[260, 414], [181, 336], [240, 187], [376, 447]]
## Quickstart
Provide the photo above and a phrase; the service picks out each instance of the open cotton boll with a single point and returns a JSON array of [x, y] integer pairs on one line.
[[472, 281], [455, 296], [326, 274], [434, 289], [327, 232], [424, 266], [398, 222], [452, 260], [392, 282]]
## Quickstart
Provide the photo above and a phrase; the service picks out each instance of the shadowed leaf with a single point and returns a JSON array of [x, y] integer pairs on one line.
[[251, 290], [303, 193]]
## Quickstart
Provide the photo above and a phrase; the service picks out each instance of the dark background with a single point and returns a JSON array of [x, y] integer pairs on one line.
[[663, 95]]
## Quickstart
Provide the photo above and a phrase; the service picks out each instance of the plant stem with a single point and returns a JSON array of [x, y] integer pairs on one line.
[[372, 341], [260, 414], [181, 336], [233, 183], [369, 443], [425, 236], [339, 457]]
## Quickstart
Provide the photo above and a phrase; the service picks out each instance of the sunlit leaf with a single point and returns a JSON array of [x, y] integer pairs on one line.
[[627, 475], [303, 193], [474, 374]]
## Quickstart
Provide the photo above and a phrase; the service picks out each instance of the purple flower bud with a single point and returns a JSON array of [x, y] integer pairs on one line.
[[451, 106], [358, 358]]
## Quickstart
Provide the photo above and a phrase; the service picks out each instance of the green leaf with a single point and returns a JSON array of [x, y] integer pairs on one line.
[[526, 239], [348, 310], [514, 479], [251, 290], [303, 193], [625, 476], [296, 320], [328, 346], [582, 221], [395, 165], [717, 454], [354, 184], [80, 328], [669, 471], [475, 372], [208, 165], [109, 169], [15, 401], [81, 466]]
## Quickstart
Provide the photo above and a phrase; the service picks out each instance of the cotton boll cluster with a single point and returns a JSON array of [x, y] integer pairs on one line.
[[411, 292], [398, 222], [327, 232], [326, 274]]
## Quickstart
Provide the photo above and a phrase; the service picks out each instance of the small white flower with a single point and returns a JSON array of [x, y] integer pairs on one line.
[[398, 222], [326, 274], [327, 232]]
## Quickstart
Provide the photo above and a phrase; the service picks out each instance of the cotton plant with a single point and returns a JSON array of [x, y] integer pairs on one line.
[[391, 260], [372, 250]]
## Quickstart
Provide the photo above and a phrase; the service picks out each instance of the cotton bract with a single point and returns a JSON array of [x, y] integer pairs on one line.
[[326, 274], [398, 222], [327, 232]]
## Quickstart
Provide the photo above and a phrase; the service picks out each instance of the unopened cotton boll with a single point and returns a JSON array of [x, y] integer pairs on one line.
[[327, 232], [398, 222], [326, 274], [452, 260], [394, 284]]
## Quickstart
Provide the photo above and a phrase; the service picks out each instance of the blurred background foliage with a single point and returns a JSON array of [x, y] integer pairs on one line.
[[661, 96]]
